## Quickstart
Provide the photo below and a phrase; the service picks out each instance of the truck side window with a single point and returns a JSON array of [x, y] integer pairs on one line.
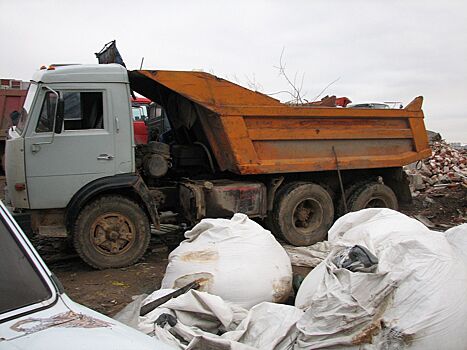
[[83, 110], [46, 118]]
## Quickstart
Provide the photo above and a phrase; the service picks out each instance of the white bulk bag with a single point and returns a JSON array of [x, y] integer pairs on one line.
[[236, 259], [414, 299]]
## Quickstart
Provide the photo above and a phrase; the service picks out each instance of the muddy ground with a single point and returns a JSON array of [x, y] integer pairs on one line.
[[110, 290]]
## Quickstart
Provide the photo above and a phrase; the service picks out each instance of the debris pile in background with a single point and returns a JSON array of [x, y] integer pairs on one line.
[[445, 168], [439, 186]]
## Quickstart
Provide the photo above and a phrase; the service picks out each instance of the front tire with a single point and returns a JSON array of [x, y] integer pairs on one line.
[[111, 232], [303, 213]]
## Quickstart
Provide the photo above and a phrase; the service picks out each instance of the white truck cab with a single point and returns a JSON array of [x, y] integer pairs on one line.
[[72, 154], [93, 140], [35, 313]]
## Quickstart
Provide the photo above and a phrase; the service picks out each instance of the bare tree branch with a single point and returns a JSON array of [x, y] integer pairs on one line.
[[236, 79], [281, 92], [282, 72], [327, 86], [253, 84]]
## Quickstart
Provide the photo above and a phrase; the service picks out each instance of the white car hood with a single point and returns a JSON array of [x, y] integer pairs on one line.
[[68, 325]]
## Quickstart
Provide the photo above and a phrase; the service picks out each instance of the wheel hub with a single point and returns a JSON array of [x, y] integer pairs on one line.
[[376, 203], [112, 234], [303, 215], [307, 215]]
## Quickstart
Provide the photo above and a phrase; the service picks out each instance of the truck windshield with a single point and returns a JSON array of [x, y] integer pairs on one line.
[[20, 282], [24, 113], [139, 112]]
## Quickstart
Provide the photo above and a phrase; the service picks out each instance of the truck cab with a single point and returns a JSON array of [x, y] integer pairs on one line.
[[73, 144], [92, 140]]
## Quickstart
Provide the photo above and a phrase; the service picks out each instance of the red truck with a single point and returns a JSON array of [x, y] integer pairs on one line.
[[12, 95], [149, 120], [140, 111]]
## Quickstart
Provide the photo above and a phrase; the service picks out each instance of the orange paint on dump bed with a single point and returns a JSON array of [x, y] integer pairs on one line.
[[251, 133]]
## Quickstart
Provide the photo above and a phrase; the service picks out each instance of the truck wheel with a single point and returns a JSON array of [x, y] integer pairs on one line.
[[340, 207], [303, 213], [372, 195], [111, 232]]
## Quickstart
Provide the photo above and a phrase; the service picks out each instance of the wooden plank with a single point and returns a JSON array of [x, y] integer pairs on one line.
[[311, 149], [288, 111], [327, 134], [258, 122], [329, 163]]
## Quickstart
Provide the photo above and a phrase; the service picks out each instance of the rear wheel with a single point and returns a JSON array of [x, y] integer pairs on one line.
[[111, 232], [372, 195], [349, 190], [303, 213]]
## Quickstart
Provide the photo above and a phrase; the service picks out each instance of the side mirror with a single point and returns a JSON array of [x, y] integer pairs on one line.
[[59, 116], [15, 117]]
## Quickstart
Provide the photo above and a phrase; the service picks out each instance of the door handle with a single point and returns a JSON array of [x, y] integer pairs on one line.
[[35, 148], [105, 157]]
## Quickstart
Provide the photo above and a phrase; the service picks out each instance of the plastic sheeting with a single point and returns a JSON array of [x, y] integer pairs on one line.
[[236, 259], [309, 256], [205, 321]]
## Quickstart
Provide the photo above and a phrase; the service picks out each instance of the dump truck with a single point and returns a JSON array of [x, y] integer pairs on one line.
[[72, 163]]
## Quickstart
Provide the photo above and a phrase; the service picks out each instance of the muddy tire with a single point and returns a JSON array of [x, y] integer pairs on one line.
[[302, 213], [111, 232], [372, 195], [340, 207]]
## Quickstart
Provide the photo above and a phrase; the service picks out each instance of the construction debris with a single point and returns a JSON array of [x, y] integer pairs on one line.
[[439, 186], [446, 167]]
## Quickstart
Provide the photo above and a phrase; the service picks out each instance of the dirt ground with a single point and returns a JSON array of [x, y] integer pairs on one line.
[[110, 290], [443, 207], [107, 291]]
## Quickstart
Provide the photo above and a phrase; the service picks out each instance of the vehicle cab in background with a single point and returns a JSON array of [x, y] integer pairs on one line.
[[149, 120], [140, 113]]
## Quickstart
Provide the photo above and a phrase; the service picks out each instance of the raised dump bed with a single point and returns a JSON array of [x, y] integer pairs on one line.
[[251, 133]]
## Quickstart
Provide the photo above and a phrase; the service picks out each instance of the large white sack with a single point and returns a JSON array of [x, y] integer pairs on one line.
[[413, 300], [236, 259]]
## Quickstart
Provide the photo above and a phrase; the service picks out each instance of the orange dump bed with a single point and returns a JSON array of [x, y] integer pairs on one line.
[[251, 133]]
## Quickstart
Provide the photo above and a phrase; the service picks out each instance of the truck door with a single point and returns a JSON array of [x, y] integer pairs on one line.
[[58, 165]]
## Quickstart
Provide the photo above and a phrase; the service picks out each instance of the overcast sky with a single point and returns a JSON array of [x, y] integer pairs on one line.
[[378, 50]]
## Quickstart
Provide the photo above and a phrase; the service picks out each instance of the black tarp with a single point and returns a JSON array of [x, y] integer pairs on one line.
[[110, 54]]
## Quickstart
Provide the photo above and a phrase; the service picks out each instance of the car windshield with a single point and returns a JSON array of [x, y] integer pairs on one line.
[[20, 283], [24, 113]]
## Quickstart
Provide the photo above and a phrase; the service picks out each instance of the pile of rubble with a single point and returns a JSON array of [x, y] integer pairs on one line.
[[446, 166]]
